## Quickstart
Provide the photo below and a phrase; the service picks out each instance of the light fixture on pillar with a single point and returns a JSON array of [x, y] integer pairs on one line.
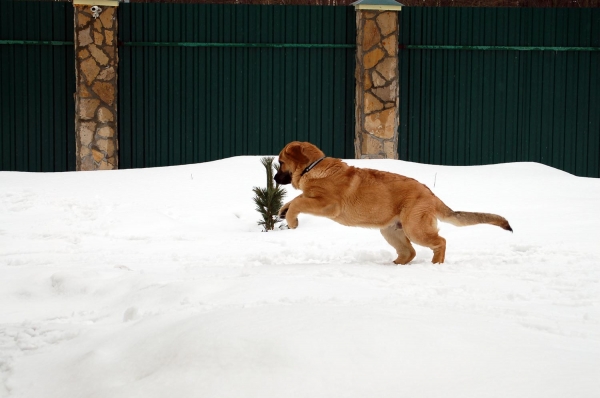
[[96, 11], [95, 5], [377, 5]]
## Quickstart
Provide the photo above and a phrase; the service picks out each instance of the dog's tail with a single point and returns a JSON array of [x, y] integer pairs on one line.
[[465, 218]]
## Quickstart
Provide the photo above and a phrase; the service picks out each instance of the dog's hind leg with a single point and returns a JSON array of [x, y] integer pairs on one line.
[[394, 235], [424, 232]]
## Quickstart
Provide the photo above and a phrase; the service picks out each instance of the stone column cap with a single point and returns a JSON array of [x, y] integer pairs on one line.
[[106, 3], [379, 5]]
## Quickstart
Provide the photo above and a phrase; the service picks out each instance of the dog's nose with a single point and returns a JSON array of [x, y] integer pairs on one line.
[[283, 178]]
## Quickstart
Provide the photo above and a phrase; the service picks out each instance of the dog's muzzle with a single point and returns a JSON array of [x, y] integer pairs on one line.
[[283, 178]]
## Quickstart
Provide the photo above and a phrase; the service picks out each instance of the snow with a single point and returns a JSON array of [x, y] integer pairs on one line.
[[158, 282]]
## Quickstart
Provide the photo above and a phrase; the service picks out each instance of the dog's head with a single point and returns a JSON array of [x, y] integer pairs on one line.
[[293, 159]]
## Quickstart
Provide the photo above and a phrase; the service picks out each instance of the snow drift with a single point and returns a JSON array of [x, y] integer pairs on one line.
[[159, 282]]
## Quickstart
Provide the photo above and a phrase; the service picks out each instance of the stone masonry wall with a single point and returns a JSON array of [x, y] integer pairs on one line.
[[377, 104], [96, 61]]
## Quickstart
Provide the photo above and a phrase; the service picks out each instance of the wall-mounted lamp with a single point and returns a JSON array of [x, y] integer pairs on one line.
[[378, 5], [95, 11], [95, 5]]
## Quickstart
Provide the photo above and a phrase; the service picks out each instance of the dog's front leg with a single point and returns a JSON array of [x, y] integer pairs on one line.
[[283, 211], [289, 213], [302, 204]]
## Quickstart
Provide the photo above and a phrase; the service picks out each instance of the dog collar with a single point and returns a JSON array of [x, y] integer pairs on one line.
[[310, 167]]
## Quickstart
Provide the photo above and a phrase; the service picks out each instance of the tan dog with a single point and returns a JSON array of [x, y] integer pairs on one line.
[[403, 209]]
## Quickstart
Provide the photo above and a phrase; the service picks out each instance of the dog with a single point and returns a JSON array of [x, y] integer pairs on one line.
[[403, 209]]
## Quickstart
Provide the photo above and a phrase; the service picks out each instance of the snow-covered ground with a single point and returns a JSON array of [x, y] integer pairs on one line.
[[159, 283]]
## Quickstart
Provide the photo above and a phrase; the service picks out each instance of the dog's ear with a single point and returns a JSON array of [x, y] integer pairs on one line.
[[295, 151]]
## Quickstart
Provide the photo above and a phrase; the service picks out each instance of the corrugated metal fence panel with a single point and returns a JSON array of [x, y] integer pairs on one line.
[[181, 105], [479, 107], [37, 83]]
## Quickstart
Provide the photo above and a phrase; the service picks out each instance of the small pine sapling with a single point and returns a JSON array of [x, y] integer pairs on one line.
[[270, 199]]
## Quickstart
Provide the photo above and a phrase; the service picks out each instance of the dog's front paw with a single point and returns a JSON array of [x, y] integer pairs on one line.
[[293, 223], [283, 211]]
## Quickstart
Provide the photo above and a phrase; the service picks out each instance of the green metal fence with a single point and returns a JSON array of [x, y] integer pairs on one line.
[[204, 82], [37, 83], [467, 106]]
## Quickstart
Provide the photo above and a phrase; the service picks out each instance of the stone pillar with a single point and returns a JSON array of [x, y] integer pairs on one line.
[[377, 104], [96, 61]]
